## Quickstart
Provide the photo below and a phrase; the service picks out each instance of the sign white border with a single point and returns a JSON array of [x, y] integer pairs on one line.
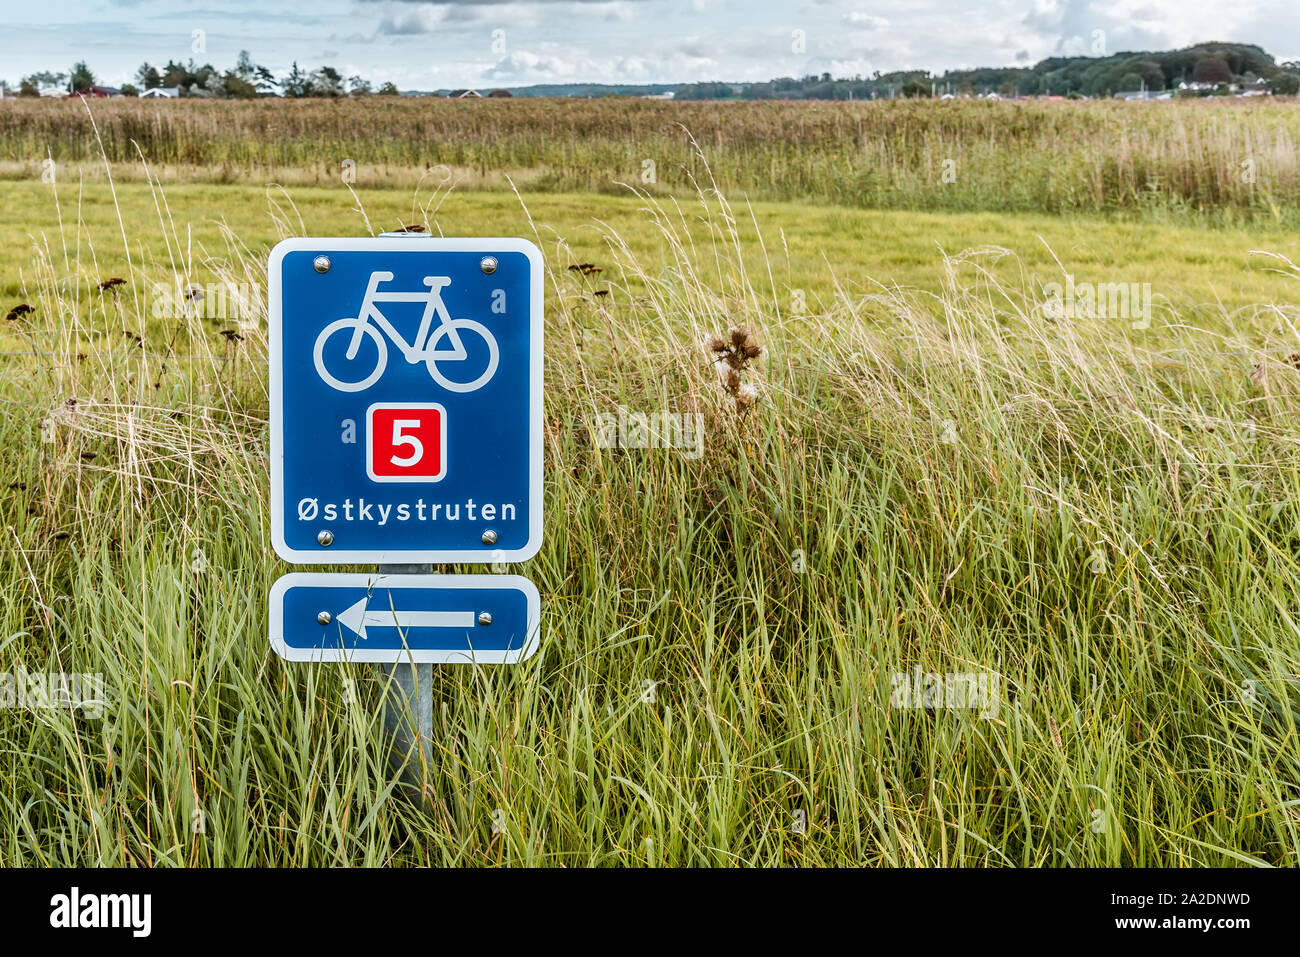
[[397, 655], [275, 320]]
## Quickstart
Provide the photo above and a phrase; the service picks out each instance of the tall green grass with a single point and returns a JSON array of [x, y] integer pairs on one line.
[[1200, 159], [1102, 518]]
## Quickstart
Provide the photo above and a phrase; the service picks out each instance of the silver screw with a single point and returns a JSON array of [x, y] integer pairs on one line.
[[324, 618], [322, 263], [489, 537], [488, 264], [485, 618], [325, 537]]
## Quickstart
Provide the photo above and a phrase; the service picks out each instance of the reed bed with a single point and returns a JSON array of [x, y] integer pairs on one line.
[[1213, 159]]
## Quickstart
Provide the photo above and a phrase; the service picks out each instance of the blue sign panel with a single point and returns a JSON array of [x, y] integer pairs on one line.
[[406, 400], [444, 619]]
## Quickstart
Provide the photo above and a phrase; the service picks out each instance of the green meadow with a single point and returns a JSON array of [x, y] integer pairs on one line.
[[192, 232]]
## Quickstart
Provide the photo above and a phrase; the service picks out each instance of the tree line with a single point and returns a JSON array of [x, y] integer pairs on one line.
[[1211, 67], [245, 80], [1206, 69]]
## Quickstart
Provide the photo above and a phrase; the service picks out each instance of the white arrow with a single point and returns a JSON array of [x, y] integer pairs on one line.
[[358, 619]]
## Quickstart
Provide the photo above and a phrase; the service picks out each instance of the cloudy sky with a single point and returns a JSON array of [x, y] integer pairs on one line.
[[427, 45]]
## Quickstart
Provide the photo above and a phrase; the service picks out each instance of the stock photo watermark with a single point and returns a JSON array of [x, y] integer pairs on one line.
[[46, 691], [1106, 300], [679, 431], [213, 300], [947, 691], [79, 909]]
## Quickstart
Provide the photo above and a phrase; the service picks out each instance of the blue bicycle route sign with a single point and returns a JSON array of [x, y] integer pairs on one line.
[[441, 619], [405, 400]]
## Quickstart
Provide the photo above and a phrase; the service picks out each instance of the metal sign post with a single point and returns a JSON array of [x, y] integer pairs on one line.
[[408, 698], [406, 428]]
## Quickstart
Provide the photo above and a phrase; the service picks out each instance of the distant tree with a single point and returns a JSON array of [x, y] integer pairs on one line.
[[200, 76], [129, 89], [326, 81], [238, 86], [175, 74], [722, 91], [358, 86], [45, 78], [295, 82], [245, 68], [389, 89], [80, 76], [27, 88], [214, 86], [1130, 83], [915, 88], [1285, 84], [265, 81], [1150, 72], [1211, 69], [148, 77]]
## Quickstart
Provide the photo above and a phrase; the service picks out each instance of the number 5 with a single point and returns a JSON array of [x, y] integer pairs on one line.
[[399, 440], [406, 442]]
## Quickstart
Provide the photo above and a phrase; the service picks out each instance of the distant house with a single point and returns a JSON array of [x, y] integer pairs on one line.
[[463, 94], [96, 92], [161, 93], [499, 94], [51, 92], [659, 96]]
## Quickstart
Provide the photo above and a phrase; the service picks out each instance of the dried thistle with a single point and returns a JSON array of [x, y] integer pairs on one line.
[[733, 357], [746, 395]]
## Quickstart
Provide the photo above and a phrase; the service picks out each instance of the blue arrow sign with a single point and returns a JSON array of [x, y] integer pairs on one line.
[[406, 400], [486, 619]]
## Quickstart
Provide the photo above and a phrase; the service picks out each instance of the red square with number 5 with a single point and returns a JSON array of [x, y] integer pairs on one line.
[[406, 442]]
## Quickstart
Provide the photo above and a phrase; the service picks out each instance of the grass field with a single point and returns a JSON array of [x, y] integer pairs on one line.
[[940, 475], [1225, 161]]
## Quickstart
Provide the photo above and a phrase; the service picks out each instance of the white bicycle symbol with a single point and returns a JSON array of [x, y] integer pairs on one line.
[[421, 350]]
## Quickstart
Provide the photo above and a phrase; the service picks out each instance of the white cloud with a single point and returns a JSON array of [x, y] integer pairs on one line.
[[410, 22], [858, 18]]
